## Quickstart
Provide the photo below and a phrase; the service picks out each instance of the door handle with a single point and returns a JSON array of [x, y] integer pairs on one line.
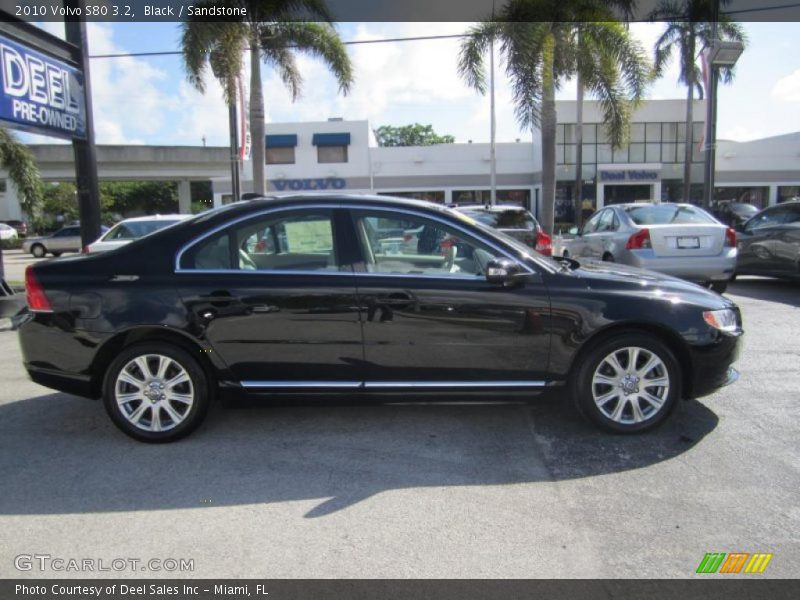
[[220, 298], [396, 300]]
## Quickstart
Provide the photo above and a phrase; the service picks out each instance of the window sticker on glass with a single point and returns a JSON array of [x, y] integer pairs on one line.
[[309, 236]]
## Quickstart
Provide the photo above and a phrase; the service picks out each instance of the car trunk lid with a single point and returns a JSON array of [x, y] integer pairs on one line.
[[687, 240]]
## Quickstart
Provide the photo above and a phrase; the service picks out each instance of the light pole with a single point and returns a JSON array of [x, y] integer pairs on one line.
[[720, 54]]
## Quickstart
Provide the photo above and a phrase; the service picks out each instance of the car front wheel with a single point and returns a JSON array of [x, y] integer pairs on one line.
[[156, 392], [627, 384], [38, 251]]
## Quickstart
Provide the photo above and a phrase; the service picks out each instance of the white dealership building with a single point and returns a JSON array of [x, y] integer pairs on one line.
[[343, 156]]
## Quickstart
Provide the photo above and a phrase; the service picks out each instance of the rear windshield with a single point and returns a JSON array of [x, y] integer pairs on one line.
[[136, 229], [504, 219], [744, 208], [667, 214]]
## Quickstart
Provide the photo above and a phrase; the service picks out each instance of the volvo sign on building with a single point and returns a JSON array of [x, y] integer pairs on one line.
[[40, 93]]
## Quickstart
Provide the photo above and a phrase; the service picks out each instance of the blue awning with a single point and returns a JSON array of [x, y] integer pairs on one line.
[[331, 139], [281, 141]]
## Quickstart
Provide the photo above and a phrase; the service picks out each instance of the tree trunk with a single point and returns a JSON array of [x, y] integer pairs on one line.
[[548, 130], [578, 198], [689, 146], [257, 115]]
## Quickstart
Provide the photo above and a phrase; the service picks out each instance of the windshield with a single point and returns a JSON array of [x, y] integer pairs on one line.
[[133, 230], [667, 214], [504, 219]]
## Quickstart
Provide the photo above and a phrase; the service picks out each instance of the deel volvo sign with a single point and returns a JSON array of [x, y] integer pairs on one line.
[[39, 93]]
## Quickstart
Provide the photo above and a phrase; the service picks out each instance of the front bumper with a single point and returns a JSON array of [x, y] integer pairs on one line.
[[712, 365]]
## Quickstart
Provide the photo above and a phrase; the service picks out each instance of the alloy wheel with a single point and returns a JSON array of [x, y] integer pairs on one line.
[[630, 385], [154, 392]]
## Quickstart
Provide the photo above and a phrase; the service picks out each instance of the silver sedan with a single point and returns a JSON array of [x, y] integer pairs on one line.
[[677, 239]]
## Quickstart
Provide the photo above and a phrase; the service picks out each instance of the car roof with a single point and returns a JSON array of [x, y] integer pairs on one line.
[[491, 208], [640, 204], [175, 217]]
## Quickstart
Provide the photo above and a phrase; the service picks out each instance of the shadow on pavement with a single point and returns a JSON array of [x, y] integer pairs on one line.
[[769, 290], [60, 454]]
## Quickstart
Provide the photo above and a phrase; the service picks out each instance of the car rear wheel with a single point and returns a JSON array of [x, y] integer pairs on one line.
[[627, 384], [38, 251], [56, 254], [608, 257], [156, 392]]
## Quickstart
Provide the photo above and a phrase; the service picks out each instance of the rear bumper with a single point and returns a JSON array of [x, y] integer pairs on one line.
[[79, 385], [693, 268]]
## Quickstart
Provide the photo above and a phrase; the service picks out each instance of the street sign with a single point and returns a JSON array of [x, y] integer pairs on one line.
[[39, 93]]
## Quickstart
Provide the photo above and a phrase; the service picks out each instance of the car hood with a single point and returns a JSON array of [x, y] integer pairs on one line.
[[631, 280]]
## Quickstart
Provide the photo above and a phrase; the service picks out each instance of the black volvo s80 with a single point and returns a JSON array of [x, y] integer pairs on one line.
[[332, 294]]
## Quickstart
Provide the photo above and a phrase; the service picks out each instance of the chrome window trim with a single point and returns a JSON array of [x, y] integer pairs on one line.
[[328, 206], [371, 385]]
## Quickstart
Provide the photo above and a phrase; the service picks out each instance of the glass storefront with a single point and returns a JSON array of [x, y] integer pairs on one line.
[[621, 194], [519, 197], [672, 191], [433, 196], [788, 192], [758, 196]]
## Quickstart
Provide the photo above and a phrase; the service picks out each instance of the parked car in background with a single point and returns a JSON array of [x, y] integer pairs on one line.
[[512, 220], [66, 239], [681, 240], [20, 226], [769, 243], [7, 232], [128, 230], [161, 326], [733, 213]]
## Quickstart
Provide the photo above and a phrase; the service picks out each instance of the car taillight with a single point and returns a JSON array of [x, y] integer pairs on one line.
[[37, 300], [544, 243], [407, 237], [730, 237], [639, 240]]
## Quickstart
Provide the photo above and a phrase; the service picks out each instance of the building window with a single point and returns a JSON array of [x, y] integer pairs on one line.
[[604, 154], [621, 155], [652, 153], [637, 132], [636, 153], [331, 154], [590, 133], [2, 186], [280, 156], [653, 132], [589, 153]]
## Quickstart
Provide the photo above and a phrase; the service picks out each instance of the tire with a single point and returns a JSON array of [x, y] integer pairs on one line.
[[38, 251], [616, 410], [719, 286], [176, 418], [56, 254], [565, 254], [608, 257]]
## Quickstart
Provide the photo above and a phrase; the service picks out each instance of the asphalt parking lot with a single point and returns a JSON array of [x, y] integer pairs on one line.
[[418, 491]]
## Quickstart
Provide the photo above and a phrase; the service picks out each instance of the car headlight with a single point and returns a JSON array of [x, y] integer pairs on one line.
[[724, 320]]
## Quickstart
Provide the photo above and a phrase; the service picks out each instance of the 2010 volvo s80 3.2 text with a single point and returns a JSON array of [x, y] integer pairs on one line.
[[299, 295]]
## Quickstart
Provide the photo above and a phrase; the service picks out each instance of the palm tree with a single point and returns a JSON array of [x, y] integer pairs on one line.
[[17, 160], [689, 31], [537, 38], [626, 8], [273, 31]]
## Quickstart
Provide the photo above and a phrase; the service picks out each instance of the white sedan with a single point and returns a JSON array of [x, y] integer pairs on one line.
[[7, 232], [128, 230]]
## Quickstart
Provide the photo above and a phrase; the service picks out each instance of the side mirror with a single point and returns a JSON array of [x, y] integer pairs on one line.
[[502, 271], [574, 231]]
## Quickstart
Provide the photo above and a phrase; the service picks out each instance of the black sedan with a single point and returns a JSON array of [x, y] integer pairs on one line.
[[300, 295], [769, 243]]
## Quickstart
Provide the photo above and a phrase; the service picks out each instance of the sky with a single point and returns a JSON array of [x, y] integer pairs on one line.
[[147, 100]]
